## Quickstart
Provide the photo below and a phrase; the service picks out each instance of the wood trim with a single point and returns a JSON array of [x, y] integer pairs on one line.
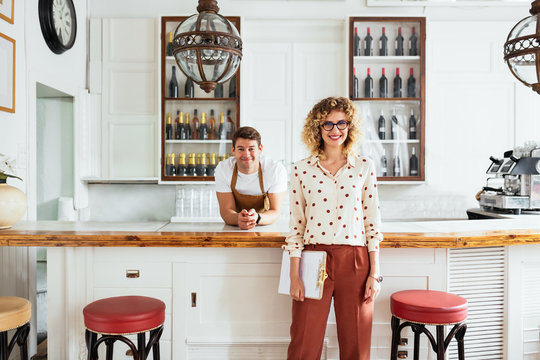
[[12, 18], [2, 108]]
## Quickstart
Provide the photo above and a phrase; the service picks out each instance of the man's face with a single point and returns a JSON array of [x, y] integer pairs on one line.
[[247, 153]]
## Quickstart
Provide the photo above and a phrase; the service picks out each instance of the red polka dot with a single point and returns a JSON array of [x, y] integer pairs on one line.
[[346, 195], [350, 176], [365, 217], [294, 191], [354, 186], [319, 224], [344, 225], [313, 204], [341, 206], [297, 203], [331, 223], [365, 188], [299, 221], [320, 182], [311, 218], [355, 236], [314, 176], [323, 233], [375, 185], [341, 187], [355, 209], [324, 199], [339, 218], [357, 219], [295, 228], [371, 174], [311, 236], [346, 236], [365, 207], [364, 160], [295, 174], [319, 190], [303, 172], [295, 168], [370, 224], [370, 196], [328, 211]]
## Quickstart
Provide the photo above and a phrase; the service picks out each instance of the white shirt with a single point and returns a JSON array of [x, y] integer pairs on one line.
[[338, 209], [274, 178]]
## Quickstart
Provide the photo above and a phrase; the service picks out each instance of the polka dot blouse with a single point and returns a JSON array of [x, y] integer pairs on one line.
[[333, 209]]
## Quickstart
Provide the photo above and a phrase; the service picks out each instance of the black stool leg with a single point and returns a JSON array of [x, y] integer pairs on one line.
[[395, 337], [461, 346], [3, 345], [22, 341], [417, 330], [109, 346], [155, 335], [141, 343], [440, 342]]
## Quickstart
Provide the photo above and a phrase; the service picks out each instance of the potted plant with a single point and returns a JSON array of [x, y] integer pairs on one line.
[[12, 200]]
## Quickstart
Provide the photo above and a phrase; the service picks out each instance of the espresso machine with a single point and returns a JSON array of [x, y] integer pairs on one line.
[[518, 177]]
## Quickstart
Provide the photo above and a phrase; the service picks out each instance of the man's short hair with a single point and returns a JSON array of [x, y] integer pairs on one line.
[[246, 132]]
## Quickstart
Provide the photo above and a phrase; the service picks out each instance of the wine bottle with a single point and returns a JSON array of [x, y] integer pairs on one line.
[[231, 125], [218, 91], [368, 85], [168, 165], [355, 84], [368, 41], [169, 45], [191, 169], [173, 84], [189, 91], [397, 165], [195, 121], [182, 167], [413, 163], [412, 126], [399, 43], [356, 43], [188, 128], [413, 44], [383, 43], [203, 128], [211, 168], [382, 126], [397, 85], [232, 87], [201, 165], [384, 163], [168, 128], [411, 85], [212, 126], [222, 131], [394, 124], [181, 128], [173, 165], [383, 85]]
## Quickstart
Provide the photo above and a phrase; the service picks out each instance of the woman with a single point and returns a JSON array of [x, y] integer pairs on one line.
[[334, 208]]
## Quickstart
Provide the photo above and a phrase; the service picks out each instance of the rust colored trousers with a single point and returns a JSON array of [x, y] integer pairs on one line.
[[348, 269]]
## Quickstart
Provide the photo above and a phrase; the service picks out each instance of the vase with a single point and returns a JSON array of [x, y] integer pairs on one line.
[[12, 204]]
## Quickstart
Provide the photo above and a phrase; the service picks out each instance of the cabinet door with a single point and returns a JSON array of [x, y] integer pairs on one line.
[[129, 98]]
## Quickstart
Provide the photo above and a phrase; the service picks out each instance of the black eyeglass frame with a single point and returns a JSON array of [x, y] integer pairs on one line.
[[324, 125]]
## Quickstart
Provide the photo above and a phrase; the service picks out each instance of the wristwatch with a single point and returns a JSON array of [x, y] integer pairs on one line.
[[258, 219], [379, 278]]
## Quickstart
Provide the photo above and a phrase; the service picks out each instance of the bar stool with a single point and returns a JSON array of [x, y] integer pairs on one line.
[[15, 313], [418, 308], [115, 317]]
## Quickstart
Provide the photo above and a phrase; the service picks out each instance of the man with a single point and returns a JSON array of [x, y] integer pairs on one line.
[[250, 188]]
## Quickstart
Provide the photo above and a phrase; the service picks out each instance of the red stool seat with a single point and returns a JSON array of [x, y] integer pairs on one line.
[[428, 307], [124, 315]]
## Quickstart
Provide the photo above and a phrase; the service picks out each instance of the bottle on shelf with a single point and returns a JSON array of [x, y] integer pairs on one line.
[[413, 43], [383, 85], [196, 122], [397, 165], [189, 90], [394, 124], [212, 126], [182, 167], [412, 126], [173, 165], [381, 124], [218, 91], [211, 168], [173, 84], [201, 164], [168, 128], [383, 43], [192, 168], [368, 42], [232, 86], [411, 85], [230, 125], [356, 43], [180, 127], [187, 126], [413, 163], [368, 85], [399, 43], [169, 45], [384, 163], [355, 84], [397, 85], [222, 131], [168, 165], [203, 128]]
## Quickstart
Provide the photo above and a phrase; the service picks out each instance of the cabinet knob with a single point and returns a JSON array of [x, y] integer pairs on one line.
[[133, 274], [402, 354], [403, 341]]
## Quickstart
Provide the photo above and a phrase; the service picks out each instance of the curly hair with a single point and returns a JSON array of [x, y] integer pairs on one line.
[[311, 135]]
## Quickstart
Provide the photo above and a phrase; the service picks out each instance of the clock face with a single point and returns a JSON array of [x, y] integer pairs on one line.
[[58, 24]]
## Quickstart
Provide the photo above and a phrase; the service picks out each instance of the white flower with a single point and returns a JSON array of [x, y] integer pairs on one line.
[[6, 164]]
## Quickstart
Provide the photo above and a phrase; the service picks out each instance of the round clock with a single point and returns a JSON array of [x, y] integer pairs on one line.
[[58, 24]]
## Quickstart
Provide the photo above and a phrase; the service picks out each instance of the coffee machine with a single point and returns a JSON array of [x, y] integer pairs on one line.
[[518, 172]]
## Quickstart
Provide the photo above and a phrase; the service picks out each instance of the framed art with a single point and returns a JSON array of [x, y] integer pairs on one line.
[[7, 73], [6, 10]]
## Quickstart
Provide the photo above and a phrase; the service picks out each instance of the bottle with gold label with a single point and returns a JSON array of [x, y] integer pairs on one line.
[[170, 45], [203, 128], [180, 127], [173, 165], [192, 168], [168, 128], [222, 131], [211, 168], [182, 167], [187, 126], [201, 164]]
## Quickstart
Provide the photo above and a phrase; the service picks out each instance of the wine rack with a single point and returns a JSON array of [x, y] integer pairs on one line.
[[201, 102], [394, 140]]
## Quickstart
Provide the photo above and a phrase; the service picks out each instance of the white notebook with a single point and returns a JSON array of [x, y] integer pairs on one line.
[[312, 273]]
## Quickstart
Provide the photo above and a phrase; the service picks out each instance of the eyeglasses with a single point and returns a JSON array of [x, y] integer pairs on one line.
[[341, 125]]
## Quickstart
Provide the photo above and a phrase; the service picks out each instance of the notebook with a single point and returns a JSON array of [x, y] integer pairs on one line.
[[312, 272]]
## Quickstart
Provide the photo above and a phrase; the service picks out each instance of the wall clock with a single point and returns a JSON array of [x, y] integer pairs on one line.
[[58, 24]]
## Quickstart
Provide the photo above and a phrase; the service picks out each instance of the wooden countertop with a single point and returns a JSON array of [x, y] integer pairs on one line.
[[480, 233]]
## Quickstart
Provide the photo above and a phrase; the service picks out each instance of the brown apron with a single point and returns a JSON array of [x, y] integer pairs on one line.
[[260, 203]]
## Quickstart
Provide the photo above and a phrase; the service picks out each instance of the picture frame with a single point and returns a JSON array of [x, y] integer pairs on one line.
[[6, 10], [7, 74]]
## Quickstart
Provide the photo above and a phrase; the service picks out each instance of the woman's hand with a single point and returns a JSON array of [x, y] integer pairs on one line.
[[297, 289], [373, 288]]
